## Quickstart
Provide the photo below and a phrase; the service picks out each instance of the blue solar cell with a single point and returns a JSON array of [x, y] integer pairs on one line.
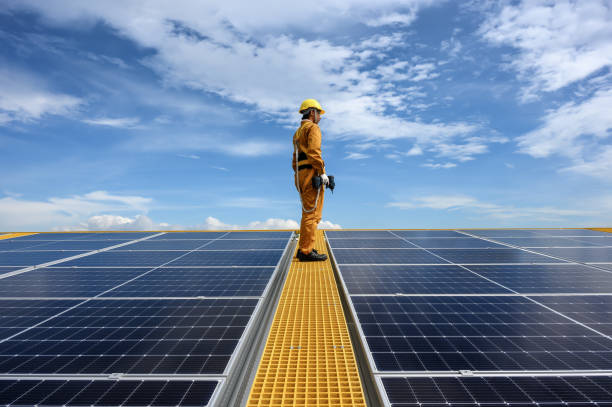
[[15, 316], [593, 311], [452, 243], [33, 258], [498, 391], [385, 256], [545, 242], [53, 236], [427, 233], [412, 333], [557, 278], [106, 392], [13, 244], [438, 279], [582, 254], [258, 235], [369, 243], [192, 282], [175, 244], [132, 336], [359, 234], [86, 245], [116, 258], [501, 232], [117, 235], [476, 256], [65, 282], [229, 258], [568, 232], [246, 244], [189, 235]]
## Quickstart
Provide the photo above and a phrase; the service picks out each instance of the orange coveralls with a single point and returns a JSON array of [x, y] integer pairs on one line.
[[308, 140]]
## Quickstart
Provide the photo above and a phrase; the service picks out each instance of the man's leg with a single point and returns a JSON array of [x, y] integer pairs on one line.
[[310, 220]]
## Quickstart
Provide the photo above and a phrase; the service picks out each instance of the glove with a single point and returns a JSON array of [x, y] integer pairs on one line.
[[324, 179]]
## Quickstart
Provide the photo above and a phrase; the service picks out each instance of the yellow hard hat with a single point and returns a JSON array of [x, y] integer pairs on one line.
[[308, 103]]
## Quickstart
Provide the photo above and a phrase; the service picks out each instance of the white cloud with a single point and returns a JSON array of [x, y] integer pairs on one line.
[[206, 45], [501, 212], [415, 150], [190, 156], [25, 98], [116, 222], [356, 156], [119, 122], [577, 131], [437, 166], [203, 142], [212, 223], [560, 42], [22, 214]]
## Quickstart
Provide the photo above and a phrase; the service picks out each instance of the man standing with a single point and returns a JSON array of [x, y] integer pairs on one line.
[[307, 163]]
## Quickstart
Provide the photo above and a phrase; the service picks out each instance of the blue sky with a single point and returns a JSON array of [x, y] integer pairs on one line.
[[440, 114]]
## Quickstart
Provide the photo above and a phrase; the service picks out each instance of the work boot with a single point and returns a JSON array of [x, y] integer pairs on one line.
[[299, 251], [312, 256]]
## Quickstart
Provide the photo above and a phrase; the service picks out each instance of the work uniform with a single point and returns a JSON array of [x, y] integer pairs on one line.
[[307, 139]]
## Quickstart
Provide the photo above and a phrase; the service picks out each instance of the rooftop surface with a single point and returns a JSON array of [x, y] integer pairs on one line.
[[395, 317]]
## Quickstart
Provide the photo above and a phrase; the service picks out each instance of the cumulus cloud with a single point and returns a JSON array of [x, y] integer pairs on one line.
[[508, 213], [17, 213], [212, 223], [206, 45], [119, 122], [559, 42], [578, 131], [25, 98]]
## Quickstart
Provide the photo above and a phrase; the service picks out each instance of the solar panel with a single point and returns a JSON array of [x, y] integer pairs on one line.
[[258, 235], [369, 243], [568, 232], [193, 282], [65, 282], [385, 256], [123, 314], [581, 254], [452, 243], [189, 235], [498, 391], [481, 256], [107, 392], [52, 236], [4, 270], [593, 311], [493, 233], [32, 258], [545, 241], [411, 279], [557, 278], [436, 334], [427, 233], [479, 333], [86, 245], [358, 234], [15, 316], [162, 336]]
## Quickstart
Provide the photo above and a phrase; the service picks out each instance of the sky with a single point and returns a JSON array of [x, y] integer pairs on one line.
[[134, 114]]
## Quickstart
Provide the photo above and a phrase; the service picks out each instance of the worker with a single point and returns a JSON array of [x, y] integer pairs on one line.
[[307, 163]]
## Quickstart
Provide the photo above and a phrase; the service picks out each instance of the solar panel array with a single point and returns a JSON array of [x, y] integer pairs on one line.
[[130, 318], [482, 317]]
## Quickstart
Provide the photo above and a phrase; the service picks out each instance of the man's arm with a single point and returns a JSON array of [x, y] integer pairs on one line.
[[314, 150]]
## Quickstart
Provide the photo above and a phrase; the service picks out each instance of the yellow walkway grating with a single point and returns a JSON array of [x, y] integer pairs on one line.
[[609, 230], [12, 235], [308, 359]]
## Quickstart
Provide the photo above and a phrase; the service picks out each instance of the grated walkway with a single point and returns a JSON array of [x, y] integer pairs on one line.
[[308, 359], [609, 230]]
